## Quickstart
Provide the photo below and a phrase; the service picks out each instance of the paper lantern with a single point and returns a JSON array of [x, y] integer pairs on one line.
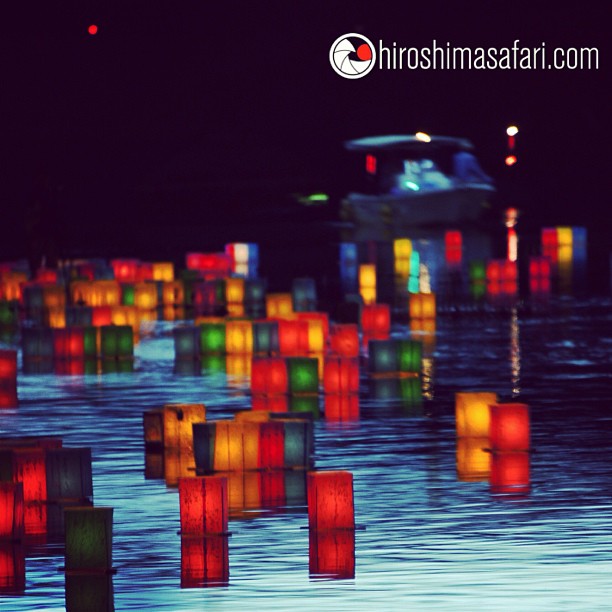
[[271, 445], [279, 305], [341, 408], [402, 251], [269, 376], [293, 337], [473, 461], [101, 316], [539, 275], [331, 554], [186, 342], [349, 266], [304, 295], [409, 356], [208, 297], [422, 306], [9, 313], [255, 294], [68, 474], [178, 422], [453, 244], [270, 403], [125, 315], [272, 489], [12, 568], [239, 337], [117, 341], [303, 375], [204, 562], [127, 294], [88, 539], [204, 435], [383, 357], [344, 340], [11, 511], [509, 427], [330, 500], [367, 283], [212, 338], [204, 505], [265, 337], [125, 269], [472, 413], [163, 271], [298, 440], [173, 293], [341, 375], [238, 369], [376, 320], [236, 446], [145, 296], [234, 290], [510, 473], [37, 343], [93, 592]]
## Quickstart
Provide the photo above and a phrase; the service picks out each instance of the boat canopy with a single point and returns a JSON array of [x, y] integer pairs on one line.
[[399, 142]]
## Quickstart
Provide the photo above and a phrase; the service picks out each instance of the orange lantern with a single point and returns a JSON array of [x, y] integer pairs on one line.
[[330, 500], [204, 505], [173, 293], [163, 271], [367, 283], [279, 305], [236, 446], [510, 473], [204, 562], [472, 413], [178, 421], [422, 306], [331, 553], [509, 427]]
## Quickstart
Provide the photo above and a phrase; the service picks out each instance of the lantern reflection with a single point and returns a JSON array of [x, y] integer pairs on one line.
[[473, 461], [204, 562], [509, 427], [91, 592], [12, 568], [510, 473], [331, 554]]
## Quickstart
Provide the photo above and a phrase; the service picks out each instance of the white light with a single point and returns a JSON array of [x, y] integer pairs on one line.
[[411, 185], [423, 137], [512, 130]]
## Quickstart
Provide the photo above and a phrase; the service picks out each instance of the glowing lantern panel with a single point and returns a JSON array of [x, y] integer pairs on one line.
[[472, 413], [330, 500], [509, 427], [204, 505]]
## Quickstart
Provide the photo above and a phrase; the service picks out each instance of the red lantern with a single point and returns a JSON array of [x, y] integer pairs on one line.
[[271, 445], [341, 375], [11, 511], [509, 427], [344, 340], [376, 320], [101, 315], [293, 337], [269, 376], [331, 553], [453, 244], [8, 367], [204, 505], [509, 472], [341, 408], [204, 562], [270, 403], [330, 500], [273, 490]]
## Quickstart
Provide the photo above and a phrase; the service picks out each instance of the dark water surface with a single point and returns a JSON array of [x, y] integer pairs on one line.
[[431, 541]]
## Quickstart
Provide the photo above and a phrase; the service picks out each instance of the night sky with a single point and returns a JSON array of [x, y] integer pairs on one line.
[[180, 113]]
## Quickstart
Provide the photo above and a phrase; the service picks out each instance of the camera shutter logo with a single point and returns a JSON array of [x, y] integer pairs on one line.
[[352, 56]]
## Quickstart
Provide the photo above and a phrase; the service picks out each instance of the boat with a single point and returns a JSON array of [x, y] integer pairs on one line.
[[415, 181]]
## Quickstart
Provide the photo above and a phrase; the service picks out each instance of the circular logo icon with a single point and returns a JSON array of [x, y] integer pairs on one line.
[[352, 56]]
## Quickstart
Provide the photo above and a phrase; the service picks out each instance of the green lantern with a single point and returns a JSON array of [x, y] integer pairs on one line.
[[303, 374]]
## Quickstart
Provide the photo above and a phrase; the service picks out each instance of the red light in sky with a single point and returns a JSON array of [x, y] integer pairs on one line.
[[93, 29], [511, 160]]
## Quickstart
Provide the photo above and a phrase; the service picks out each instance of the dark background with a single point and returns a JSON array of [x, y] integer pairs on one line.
[[182, 125]]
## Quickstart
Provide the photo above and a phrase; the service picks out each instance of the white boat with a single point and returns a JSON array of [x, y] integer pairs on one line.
[[415, 181]]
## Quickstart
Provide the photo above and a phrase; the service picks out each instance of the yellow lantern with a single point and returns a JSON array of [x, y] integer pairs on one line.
[[163, 271], [279, 305], [239, 337], [234, 290], [472, 413], [473, 461], [422, 306], [178, 421], [367, 283], [145, 296], [173, 293], [56, 317]]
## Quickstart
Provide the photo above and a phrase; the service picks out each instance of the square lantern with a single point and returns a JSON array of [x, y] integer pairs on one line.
[[344, 340], [186, 343], [472, 413], [88, 539], [269, 376], [69, 476], [331, 554], [279, 305], [509, 427], [303, 375], [304, 295], [239, 337], [341, 375], [204, 505], [265, 337], [293, 337], [178, 423], [204, 562], [330, 500], [212, 338]]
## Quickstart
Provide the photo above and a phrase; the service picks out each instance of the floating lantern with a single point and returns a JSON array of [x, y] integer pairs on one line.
[[178, 423], [173, 293], [186, 343], [145, 295], [293, 337], [539, 275], [210, 265], [279, 305], [331, 553], [402, 250], [298, 440], [234, 290], [510, 473], [349, 266], [204, 505], [341, 375], [117, 341], [239, 337], [11, 511], [125, 269], [422, 306], [304, 295], [238, 369], [473, 461], [127, 294], [101, 315], [383, 357], [376, 320], [68, 474], [344, 340], [330, 500], [303, 375], [204, 562], [265, 337], [212, 338], [342, 408], [125, 315], [472, 413], [367, 283], [409, 356], [163, 271], [269, 376], [236, 446], [153, 427], [9, 313], [509, 427], [88, 539], [8, 369], [75, 343], [453, 245], [208, 297], [204, 435]]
